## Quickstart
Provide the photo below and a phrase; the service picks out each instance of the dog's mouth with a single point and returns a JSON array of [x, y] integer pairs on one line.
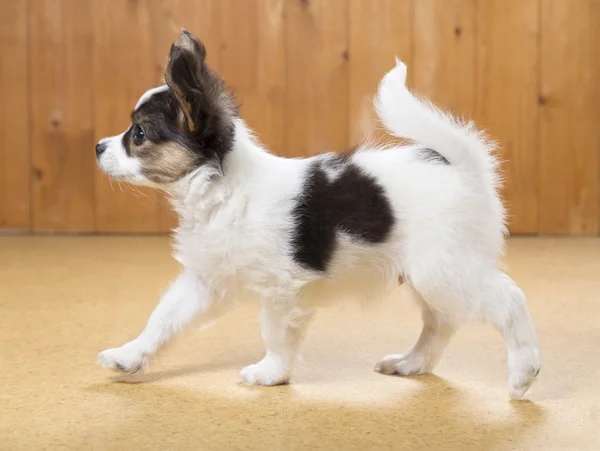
[[115, 176], [130, 179], [113, 173]]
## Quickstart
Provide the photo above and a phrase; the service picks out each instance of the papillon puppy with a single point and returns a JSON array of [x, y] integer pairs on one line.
[[299, 233]]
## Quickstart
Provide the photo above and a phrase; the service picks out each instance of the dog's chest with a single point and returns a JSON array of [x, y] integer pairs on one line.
[[234, 257], [242, 245], [213, 254]]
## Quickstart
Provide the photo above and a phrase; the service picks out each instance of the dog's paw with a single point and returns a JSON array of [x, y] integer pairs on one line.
[[403, 364], [523, 372], [518, 386], [127, 359], [387, 365], [265, 372]]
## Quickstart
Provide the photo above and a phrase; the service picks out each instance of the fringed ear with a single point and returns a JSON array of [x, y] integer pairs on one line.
[[188, 41], [206, 108], [185, 73]]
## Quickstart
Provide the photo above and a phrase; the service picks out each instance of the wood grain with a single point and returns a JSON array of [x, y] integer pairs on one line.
[[507, 85], [380, 30], [124, 68], [15, 167], [317, 76], [203, 19], [443, 53], [253, 64], [200, 17], [61, 103], [305, 72], [570, 131]]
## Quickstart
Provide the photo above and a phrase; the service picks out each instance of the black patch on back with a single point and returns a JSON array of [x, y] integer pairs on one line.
[[430, 155], [353, 203]]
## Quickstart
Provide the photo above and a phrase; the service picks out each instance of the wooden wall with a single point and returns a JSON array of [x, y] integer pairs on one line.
[[305, 70]]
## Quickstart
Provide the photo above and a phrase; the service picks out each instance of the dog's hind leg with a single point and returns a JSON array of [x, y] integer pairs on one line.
[[427, 351], [490, 295], [506, 309]]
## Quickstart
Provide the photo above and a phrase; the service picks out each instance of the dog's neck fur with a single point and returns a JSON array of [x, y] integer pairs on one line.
[[195, 196]]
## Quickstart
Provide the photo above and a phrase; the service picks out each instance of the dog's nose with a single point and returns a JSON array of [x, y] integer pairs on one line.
[[100, 147]]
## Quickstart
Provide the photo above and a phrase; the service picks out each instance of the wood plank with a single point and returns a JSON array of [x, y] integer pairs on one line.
[[380, 30], [203, 19], [200, 17], [507, 86], [253, 63], [443, 67], [14, 117], [570, 132], [62, 127], [124, 68], [317, 76]]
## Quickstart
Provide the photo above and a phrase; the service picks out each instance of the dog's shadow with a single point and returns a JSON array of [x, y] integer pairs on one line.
[[144, 377], [435, 416]]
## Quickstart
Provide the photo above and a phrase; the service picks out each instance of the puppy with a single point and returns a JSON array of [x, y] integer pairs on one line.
[[295, 234]]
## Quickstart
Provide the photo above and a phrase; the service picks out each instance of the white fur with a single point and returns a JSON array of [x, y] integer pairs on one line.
[[115, 161], [149, 94], [234, 244]]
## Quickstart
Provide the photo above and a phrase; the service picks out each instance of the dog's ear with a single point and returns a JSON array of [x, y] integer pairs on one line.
[[207, 108], [188, 77], [191, 43]]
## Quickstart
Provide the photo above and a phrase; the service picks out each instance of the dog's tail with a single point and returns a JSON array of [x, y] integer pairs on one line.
[[407, 116]]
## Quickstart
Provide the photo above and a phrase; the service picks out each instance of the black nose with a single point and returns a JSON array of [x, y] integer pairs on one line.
[[100, 147]]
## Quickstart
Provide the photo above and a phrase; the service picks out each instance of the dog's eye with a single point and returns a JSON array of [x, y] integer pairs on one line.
[[138, 135]]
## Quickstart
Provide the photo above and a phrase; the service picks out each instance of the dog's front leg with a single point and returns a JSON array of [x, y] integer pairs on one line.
[[282, 325], [186, 298]]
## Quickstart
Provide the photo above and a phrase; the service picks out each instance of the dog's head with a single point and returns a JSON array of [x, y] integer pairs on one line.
[[176, 128]]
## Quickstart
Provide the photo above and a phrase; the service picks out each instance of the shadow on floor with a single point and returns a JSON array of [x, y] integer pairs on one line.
[[436, 416]]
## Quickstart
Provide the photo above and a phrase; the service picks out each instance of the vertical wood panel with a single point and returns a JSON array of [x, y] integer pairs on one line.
[[595, 63], [317, 76], [379, 31], [253, 63], [443, 67], [14, 118], [507, 99], [201, 17], [61, 103], [570, 125], [124, 68], [305, 73]]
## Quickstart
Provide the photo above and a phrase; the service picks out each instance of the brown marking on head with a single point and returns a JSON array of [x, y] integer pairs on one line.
[[166, 162]]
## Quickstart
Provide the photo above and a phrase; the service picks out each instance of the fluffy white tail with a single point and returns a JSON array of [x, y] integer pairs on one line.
[[407, 116]]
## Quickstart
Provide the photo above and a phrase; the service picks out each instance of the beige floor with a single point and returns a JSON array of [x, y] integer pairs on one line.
[[64, 299]]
